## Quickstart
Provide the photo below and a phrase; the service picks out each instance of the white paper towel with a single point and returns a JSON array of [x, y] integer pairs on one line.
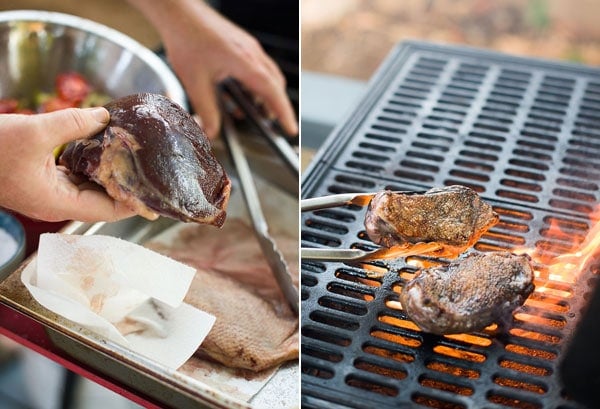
[[123, 291]]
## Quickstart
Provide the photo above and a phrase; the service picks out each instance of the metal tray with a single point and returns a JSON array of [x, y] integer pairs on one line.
[[171, 388]]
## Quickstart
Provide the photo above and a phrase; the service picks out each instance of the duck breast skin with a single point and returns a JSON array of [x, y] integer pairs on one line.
[[454, 216], [154, 157], [468, 294]]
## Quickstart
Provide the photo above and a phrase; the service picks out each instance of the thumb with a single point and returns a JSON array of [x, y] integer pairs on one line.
[[69, 124]]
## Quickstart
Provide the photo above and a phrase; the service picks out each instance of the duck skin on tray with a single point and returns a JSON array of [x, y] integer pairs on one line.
[[453, 217], [468, 294], [255, 327], [248, 332], [154, 157]]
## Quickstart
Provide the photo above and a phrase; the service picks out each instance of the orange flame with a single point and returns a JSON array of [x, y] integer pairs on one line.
[[575, 262], [565, 267]]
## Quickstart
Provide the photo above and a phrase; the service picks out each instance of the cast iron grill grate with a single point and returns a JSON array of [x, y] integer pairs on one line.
[[523, 133]]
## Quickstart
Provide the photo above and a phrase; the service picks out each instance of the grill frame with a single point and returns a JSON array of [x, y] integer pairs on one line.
[[325, 299]]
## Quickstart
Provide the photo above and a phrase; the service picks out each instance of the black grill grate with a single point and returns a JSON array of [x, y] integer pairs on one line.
[[521, 132]]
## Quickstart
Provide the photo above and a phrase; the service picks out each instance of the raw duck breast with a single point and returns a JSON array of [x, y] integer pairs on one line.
[[154, 157]]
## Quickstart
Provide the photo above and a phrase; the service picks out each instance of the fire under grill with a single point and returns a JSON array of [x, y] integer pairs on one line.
[[523, 133]]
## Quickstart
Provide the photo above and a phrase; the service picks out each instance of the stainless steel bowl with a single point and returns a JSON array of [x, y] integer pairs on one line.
[[35, 46]]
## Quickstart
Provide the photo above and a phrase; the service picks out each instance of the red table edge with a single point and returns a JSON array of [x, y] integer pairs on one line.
[[32, 335]]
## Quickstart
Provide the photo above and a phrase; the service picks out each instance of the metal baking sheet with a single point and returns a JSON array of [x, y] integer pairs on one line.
[[172, 388]]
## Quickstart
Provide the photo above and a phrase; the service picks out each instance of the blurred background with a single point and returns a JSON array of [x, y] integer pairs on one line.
[[344, 41], [351, 37]]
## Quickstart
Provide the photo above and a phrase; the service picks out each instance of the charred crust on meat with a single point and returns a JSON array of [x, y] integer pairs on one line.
[[468, 294], [454, 216]]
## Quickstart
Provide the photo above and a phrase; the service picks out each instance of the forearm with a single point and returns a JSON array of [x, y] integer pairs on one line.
[[171, 17], [204, 48]]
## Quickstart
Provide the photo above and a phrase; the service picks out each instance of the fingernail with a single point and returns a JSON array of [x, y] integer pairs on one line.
[[100, 114]]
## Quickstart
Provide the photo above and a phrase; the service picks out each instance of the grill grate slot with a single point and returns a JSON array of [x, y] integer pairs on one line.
[[429, 401], [510, 401], [322, 353], [397, 338], [334, 321], [366, 365], [453, 370], [390, 353], [368, 385], [525, 368], [449, 387], [531, 351], [525, 135]]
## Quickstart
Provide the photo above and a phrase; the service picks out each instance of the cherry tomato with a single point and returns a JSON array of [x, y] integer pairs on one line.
[[72, 87], [8, 106]]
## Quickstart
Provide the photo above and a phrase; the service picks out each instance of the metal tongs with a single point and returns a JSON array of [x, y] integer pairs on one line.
[[274, 257], [356, 255], [277, 141]]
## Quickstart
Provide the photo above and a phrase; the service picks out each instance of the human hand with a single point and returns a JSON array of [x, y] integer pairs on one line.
[[30, 181], [204, 48]]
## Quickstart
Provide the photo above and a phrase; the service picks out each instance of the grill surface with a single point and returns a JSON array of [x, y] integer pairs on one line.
[[522, 133]]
